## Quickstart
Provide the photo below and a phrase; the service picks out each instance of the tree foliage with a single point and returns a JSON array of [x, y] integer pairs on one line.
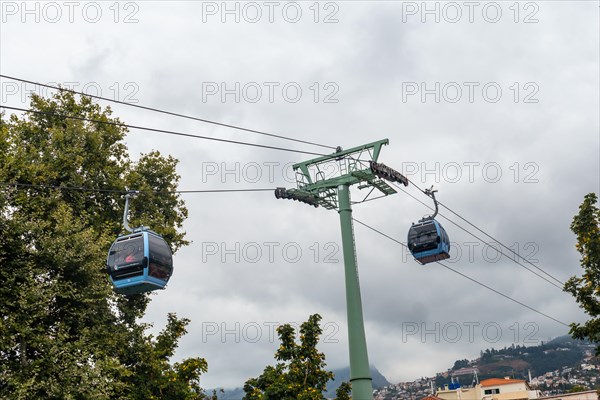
[[300, 372], [586, 289], [577, 389], [64, 334], [458, 364], [343, 392]]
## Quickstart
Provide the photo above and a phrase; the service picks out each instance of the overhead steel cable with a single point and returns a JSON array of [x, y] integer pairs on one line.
[[502, 294], [18, 185], [488, 244], [165, 131], [85, 189], [224, 190], [493, 238], [79, 188], [501, 244], [466, 276], [171, 113]]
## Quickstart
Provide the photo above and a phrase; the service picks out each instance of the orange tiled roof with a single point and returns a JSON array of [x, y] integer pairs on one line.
[[430, 397], [499, 381]]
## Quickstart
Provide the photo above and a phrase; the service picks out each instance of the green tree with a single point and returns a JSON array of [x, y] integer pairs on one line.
[[300, 372], [64, 334], [458, 364], [344, 391], [586, 289], [577, 388]]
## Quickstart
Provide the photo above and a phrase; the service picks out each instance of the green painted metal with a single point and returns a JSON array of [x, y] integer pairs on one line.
[[334, 193], [354, 169], [360, 375], [376, 146]]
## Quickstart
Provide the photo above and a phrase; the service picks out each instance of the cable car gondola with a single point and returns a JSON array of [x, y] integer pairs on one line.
[[140, 261], [427, 240]]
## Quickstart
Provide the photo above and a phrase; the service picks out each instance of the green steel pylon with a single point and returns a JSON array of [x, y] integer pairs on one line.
[[354, 166], [360, 374]]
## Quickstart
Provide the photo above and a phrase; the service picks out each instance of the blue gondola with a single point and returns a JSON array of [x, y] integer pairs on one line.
[[139, 262], [427, 240]]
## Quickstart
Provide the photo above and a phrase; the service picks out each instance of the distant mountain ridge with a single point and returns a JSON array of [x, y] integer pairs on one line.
[[343, 375], [518, 361], [556, 366]]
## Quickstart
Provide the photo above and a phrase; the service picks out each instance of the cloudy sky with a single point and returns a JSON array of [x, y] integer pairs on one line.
[[494, 103]]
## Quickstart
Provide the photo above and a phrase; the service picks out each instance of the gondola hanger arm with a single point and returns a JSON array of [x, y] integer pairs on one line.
[[130, 194], [431, 193]]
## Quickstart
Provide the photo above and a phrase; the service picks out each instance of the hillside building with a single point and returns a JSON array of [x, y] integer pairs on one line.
[[491, 389]]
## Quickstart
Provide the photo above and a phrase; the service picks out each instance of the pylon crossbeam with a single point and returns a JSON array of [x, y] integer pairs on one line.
[[372, 180], [339, 164]]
